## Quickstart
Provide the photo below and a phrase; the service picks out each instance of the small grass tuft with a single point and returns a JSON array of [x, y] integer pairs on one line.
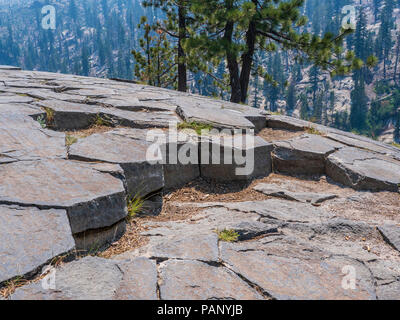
[[198, 127], [11, 285], [70, 140], [135, 205], [49, 114], [101, 122], [228, 235], [42, 121], [397, 145], [312, 130]]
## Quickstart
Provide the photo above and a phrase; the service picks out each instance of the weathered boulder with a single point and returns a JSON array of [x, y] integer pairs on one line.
[[287, 123], [343, 227], [142, 177], [45, 94], [390, 291], [345, 138], [30, 237], [68, 115], [248, 230], [181, 160], [132, 103], [303, 155], [203, 247], [385, 272], [192, 109], [93, 240], [256, 116], [360, 142], [291, 277], [177, 152], [94, 278], [141, 119], [278, 191], [363, 170], [11, 99], [94, 92], [92, 199], [184, 279], [391, 234], [215, 216], [20, 109], [23, 139], [3, 67], [234, 158], [281, 211]]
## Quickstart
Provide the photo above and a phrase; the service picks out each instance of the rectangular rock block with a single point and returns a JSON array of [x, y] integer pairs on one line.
[[233, 158]]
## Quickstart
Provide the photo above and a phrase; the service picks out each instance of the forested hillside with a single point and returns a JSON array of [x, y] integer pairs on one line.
[[96, 38]]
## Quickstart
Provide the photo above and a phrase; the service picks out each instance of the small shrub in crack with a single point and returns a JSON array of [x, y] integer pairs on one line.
[[49, 114], [11, 285], [42, 121], [312, 130], [101, 122], [135, 205], [198, 127], [228, 235], [70, 140]]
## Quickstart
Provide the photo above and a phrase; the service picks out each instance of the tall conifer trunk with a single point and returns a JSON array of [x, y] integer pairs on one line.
[[247, 61], [182, 71]]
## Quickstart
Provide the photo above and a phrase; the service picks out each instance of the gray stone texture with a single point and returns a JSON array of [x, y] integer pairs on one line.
[[30, 237], [363, 170], [303, 155]]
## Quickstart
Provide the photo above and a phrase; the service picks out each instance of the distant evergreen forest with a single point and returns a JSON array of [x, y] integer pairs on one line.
[[96, 38]]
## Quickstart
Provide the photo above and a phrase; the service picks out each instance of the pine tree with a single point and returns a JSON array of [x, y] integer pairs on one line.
[[304, 109], [384, 40], [314, 80], [359, 100], [318, 108], [397, 59], [73, 10], [264, 25], [377, 4], [374, 119], [396, 134], [85, 61], [175, 26], [291, 98], [359, 107], [154, 61]]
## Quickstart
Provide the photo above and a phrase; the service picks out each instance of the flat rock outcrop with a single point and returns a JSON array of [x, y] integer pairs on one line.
[[227, 224], [141, 177], [23, 139], [364, 170], [30, 238], [282, 192], [303, 155], [92, 199], [235, 158], [98, 279], [392, 235]]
